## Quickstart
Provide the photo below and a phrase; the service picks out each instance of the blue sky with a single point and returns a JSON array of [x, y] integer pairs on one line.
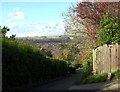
[[34, 18]]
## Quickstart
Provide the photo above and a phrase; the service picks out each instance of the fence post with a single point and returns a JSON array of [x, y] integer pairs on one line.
[[93, 61]]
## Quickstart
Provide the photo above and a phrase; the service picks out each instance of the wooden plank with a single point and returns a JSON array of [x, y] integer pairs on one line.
[[112, 58], [108, 57], [102, 52], [105, 58], [118, 56], [102, 59], [115, 59], [99, 60], [94, 59]]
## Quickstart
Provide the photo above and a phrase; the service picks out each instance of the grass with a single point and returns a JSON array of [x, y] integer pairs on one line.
[[97, 78], [115, 75], [92, 79]]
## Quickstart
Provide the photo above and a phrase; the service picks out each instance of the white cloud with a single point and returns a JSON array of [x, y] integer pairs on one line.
[[16, 13], [12, 25], [52, 24], [8, 20], [42, 0], [10, 14], [53, 28], [19, 15], [36, 29], [17, 9]]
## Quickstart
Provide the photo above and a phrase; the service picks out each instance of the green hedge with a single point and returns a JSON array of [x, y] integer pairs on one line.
[[24, 64]]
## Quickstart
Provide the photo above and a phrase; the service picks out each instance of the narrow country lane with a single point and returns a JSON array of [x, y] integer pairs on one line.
[[62, 84]]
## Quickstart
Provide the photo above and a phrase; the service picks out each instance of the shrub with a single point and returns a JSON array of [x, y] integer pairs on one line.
[[24, 65], [116, 74], [93, 79], [72, 69], [88, 66], [110, 30]]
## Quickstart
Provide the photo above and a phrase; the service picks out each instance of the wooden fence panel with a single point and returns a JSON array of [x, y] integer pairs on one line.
[[106, 58]]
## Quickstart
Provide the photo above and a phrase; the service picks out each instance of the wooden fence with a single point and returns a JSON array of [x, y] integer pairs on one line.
[[106, 59]]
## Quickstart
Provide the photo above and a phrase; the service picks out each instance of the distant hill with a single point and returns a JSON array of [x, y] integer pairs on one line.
[[47, 39]]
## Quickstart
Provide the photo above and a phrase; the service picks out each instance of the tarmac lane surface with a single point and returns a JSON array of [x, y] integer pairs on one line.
[[61, 84]]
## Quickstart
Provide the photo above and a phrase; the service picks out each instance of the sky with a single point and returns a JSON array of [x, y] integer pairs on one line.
[[34, 18]]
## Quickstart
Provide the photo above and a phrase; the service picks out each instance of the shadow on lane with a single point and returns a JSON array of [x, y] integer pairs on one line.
[[60, 84]]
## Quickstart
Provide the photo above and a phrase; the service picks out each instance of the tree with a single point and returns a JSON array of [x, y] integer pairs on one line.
[[46, 52], [74, 25], [0, 31], [5, 30], [71, 53], [12, 37], [49, 54], [110, 30], [92, 12]]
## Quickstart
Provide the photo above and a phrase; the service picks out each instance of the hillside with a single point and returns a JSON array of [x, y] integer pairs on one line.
[[46, 39], [64, 47]]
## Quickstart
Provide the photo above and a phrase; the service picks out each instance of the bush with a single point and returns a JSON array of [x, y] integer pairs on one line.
[[78, 66], [93, 79], [88, 66], [116, 74], [110, 30], [72, 69], [24, 65]]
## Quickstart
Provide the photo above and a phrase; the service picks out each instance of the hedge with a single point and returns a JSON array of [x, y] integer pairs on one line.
[[24, 64]]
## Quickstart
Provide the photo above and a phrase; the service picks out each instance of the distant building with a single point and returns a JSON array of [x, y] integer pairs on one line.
[[71, 38]]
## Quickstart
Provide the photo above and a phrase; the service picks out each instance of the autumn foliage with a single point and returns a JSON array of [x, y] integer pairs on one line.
[[92, 13], [83, 57]]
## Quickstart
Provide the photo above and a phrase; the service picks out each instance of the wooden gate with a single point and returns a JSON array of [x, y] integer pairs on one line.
[[106, 59]]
